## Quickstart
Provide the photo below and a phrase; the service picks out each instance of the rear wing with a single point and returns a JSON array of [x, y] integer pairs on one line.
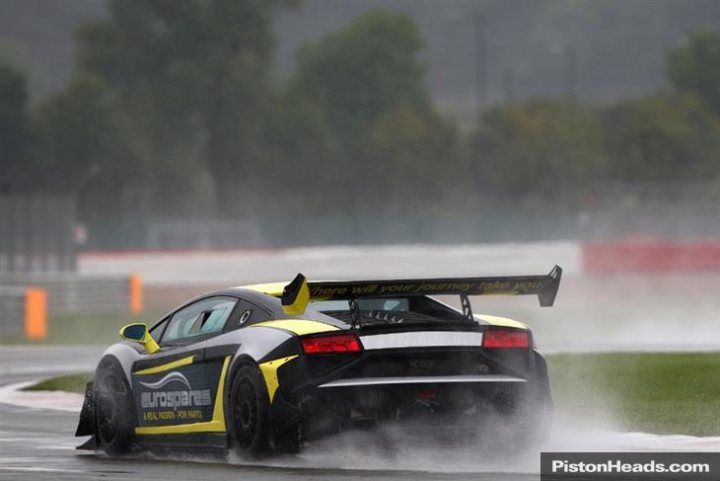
[[299, 292]]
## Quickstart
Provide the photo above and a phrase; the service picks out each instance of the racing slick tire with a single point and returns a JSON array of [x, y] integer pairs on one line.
[[537, 418], [249, 412], [287, 441], [115, 413], [531, 425], [526, 416]]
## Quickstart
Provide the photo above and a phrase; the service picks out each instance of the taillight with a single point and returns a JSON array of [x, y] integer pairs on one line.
[[331, 344], [505, 339]]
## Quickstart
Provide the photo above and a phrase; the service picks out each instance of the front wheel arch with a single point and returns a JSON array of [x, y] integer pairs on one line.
[[247, 414], [115, 416]]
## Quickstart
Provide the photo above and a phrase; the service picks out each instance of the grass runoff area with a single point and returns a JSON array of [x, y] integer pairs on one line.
[[650, 392], [70, 383]]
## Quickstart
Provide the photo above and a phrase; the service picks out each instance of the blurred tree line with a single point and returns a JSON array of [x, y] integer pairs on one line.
[[173, 108]]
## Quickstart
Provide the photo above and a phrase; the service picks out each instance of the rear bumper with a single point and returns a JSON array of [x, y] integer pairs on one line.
[[386, 396], [450, 401], [422, 380]]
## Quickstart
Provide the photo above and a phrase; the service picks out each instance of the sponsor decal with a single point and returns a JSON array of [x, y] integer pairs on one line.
[[174, 399], [173, 376], [498, 286], [184, 395]]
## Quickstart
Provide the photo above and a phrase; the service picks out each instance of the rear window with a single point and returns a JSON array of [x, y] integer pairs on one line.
[[363, 304], [389, 311]]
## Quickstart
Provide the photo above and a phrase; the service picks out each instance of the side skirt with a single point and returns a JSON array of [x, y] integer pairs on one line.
[[200, 443]]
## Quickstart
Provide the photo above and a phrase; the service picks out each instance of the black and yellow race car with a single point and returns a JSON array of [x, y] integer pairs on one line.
[[270, 367]]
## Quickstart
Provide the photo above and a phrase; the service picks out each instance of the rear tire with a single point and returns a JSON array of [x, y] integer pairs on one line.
[[114, 408], [249, 412], [525, 418], [287, 441], [533, 425]]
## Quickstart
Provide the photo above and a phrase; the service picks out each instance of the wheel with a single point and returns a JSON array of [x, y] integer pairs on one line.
[[537, 415], [287, 441], [523, 418], [114, 408], [249, 412], [532, 425]]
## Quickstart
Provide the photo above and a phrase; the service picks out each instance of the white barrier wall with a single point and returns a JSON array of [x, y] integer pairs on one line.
[[677, 310], [70, 293], [12, 311], [225, 268]]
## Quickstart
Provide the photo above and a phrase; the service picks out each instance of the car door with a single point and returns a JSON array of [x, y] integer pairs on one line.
[[178, 390]]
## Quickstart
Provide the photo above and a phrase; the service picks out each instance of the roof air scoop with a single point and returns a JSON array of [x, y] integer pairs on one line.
[[295, 296]]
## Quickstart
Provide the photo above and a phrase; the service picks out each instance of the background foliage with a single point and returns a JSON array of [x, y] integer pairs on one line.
[[174, 110]]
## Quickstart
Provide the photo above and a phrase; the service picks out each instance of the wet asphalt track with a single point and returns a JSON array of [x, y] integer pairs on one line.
[[38, 444]]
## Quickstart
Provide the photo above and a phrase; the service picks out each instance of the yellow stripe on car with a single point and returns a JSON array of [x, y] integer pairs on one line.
[[166, 367], [271, 288], [298, 326], [269, 372], [215, 425], [500, 321]]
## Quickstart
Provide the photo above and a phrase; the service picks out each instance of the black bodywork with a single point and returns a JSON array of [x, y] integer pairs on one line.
[[420, 366], [330, 409]]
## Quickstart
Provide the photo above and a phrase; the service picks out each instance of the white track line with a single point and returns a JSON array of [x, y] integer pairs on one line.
[[13, 394]]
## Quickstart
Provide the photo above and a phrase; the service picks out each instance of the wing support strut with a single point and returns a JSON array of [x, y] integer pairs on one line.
[[466, 307]]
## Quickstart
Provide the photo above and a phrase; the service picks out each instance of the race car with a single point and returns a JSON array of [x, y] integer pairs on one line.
[[270, 367]]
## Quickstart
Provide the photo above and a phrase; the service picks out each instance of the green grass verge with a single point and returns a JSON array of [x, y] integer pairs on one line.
[[70, 383], [649, 392]]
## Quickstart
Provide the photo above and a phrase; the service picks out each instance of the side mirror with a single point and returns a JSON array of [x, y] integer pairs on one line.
[[138, 332]]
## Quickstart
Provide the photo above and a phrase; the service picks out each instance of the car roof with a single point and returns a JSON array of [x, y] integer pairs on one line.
[[268, 296], [264, 299]]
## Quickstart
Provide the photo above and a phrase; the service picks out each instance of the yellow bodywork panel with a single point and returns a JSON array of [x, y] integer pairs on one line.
[[215, 425], [298, 306], [500, 321], [269, 372], [166, 367], [271, 288], [298, 326]]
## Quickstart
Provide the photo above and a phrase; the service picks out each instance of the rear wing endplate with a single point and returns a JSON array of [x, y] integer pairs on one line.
[[299, 292]]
